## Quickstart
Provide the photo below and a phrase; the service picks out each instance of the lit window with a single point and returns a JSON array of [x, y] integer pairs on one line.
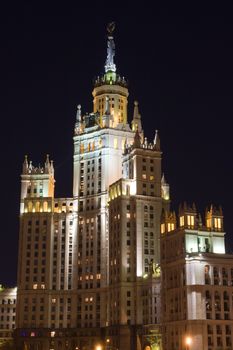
[[162, 228], [152, 177], [42, 286], [217, 223], [190, 220], [128, 215], [170, 227], [52, 334], [182, 221], [144, 176], [35, 286], [54, 300]]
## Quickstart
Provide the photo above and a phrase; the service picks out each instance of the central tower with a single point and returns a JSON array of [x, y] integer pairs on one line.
[[99, 142], [89, 264]]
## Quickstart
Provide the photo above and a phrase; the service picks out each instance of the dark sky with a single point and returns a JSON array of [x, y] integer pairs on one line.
[[178, 60]]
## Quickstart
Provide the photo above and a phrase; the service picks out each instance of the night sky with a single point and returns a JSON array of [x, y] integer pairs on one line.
[[178, 61]]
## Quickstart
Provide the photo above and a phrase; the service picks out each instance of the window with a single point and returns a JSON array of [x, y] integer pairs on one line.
[[190, 220], [217, 223], [181, 221]]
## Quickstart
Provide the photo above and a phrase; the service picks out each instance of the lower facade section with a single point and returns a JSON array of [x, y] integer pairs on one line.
[[198, 335], [122, 337]]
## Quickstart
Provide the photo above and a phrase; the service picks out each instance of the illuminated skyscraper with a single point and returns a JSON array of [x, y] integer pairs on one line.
[[70, 263], [89, 270]]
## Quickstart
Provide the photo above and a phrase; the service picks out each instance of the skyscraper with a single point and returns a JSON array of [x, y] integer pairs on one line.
[[89, 274]]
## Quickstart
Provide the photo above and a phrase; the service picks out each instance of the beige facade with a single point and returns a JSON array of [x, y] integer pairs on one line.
[[63, 272], [197, 282], [7, 313], [135, 206], [102, 270]]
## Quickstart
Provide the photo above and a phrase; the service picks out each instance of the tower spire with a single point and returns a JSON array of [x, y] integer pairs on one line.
[[136, 122], [25, 165], [78, 115], [109, 65]]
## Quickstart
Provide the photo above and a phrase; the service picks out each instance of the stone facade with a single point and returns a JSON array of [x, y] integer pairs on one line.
[[197, 281], [7, 313], [108, 268]]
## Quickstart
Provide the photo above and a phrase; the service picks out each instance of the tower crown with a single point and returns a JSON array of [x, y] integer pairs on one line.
[[112, 86], [36, 182], [214, 218], [29, 169]]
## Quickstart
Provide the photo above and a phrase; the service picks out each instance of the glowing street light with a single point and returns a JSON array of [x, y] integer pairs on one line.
[[188, 342], [98, 347]]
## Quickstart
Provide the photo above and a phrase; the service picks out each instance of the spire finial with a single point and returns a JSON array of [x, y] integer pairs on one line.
[[136, 114], [136, 122], [25, 164], [109, 65], [78, 115], [157, 141], [47, 164]]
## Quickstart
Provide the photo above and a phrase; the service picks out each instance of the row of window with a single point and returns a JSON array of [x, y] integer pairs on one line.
[[8, 301], [7, 318], [7, 326]]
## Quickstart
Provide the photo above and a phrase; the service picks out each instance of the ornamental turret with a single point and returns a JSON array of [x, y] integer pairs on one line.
[[36, 182], [136, 122], [79, 123]]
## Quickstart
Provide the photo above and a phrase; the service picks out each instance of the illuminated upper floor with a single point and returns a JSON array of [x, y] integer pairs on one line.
[[190, 235]]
